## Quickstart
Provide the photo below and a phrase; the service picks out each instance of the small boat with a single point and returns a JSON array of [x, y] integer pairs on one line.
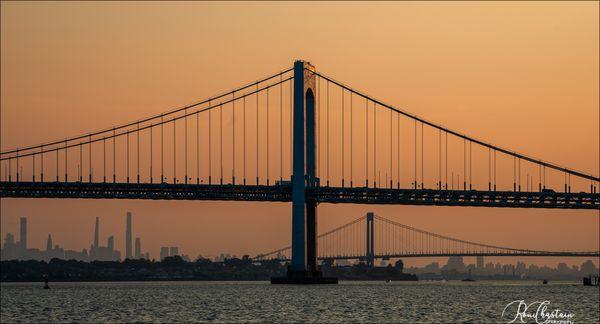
[[388, 281], [468, 279], [545, 282]]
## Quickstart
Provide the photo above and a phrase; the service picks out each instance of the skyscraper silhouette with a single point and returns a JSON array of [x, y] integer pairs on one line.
[[23, 235], [96, 234], [128, 237], [49, 243], [138, 248]]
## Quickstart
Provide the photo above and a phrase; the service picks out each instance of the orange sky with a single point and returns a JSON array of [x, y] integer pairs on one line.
[[520, 75]]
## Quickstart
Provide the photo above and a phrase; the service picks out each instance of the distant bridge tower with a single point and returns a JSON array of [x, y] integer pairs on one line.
[[303, 268], [370, 250]]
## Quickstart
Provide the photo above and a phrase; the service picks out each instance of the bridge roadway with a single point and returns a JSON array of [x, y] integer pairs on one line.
[[282, 193], [435, 255]]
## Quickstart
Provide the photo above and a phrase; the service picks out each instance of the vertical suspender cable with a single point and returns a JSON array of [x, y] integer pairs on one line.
[[162, 157], [489, 169], [257, 181], [439, 159], [415, 183], [151, 156], [114, 156], [185, 129], [104, 159], [233, 139], [174, 152], [391, 151], [398, 149], [464, 164], [90, 157], [138, 152], [280, 128], [244, 136], [446, 162], [221, 141], [209, 143], [422, 156], [470, 165], [495, 170], [342, 159], [267, 121], [197, 147], [351, 140], [127, 147], [367, 143], [328, 151], [374, 144]]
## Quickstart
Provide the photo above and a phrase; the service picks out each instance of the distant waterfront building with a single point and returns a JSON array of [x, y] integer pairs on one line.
[[173, 251], [588, 268], [128, 254], [102, 253], [138, 248], [9, 252], [164, 252], [455, 263], [480, 262]]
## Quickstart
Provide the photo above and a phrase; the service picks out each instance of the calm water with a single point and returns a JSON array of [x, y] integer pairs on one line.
[[481, 301]]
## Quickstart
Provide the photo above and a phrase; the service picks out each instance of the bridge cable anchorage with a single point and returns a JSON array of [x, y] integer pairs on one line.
[[462, 136]]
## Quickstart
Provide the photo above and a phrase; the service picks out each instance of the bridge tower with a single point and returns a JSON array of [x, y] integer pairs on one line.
[[303, 268], [370, 249]]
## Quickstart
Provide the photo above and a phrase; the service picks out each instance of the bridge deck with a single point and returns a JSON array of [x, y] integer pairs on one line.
[[278, 193], [436, 255]]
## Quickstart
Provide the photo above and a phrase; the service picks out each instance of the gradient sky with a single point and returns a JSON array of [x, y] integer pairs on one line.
[[520, 75]]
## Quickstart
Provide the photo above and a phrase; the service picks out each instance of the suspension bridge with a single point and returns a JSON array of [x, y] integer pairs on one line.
[[296, 136], [373, 237]]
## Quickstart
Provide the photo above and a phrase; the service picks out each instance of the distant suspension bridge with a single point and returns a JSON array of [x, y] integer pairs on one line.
[[373, 237]]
